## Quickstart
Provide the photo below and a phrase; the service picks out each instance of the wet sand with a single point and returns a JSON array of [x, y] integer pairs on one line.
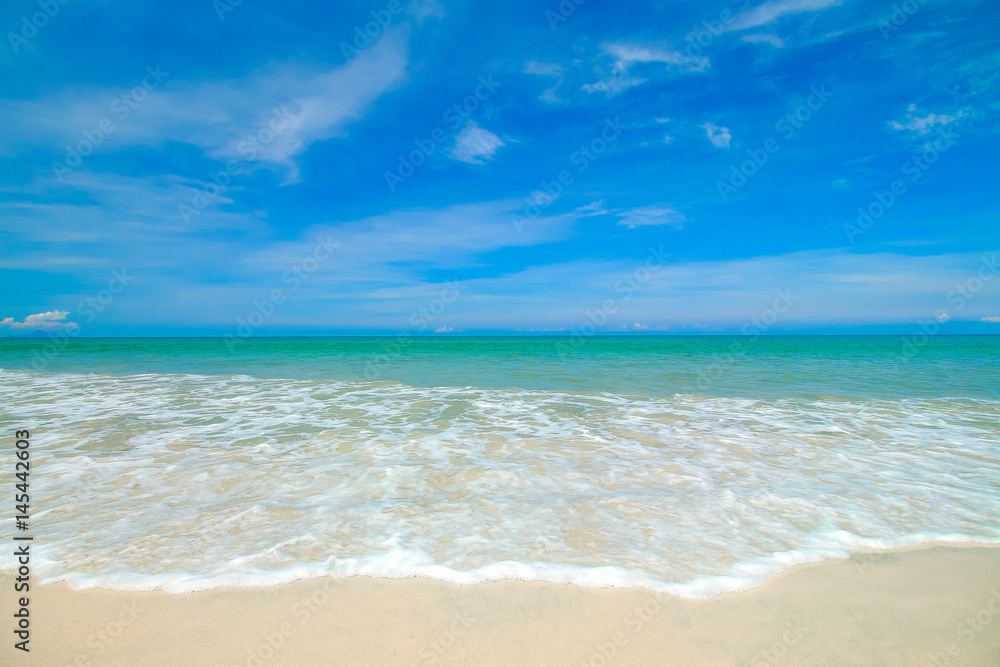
[[936, 605]]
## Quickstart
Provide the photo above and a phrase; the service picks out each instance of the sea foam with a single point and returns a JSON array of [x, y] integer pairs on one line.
[[186, 482]]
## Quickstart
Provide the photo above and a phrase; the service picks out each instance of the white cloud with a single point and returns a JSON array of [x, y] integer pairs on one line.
[[593, 208], [473, 143], [627, 55], [613, 84], [641, 216], [646, 216], [332, 100], [763, 38], [719, 136], [772, 11], [991, 318], [53, 320], [924, 124]]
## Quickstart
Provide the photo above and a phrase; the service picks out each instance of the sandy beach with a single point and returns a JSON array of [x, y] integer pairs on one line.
[[935, 605]]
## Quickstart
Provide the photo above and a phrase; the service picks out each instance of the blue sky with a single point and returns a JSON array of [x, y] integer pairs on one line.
[[198, 168]]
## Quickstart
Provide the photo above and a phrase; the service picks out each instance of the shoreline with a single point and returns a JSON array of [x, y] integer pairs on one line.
[[748, 576], [925, 605]]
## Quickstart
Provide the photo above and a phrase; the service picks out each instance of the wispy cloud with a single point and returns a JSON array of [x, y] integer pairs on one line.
[[332, 100], [618, 77], [593, 208], [828, 287], [924, 124], [627, 54], [772, 11], [654, 215], [551, 70], [223, 117], [764, 38], [612, 84]]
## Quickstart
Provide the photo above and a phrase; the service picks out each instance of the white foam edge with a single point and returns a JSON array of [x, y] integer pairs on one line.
[[400, 563]]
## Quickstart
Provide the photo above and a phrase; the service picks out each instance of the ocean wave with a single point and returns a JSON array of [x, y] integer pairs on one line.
[[183, 482]]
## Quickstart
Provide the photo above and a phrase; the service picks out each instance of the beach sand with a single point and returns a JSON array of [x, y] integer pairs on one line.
[[934, 605]]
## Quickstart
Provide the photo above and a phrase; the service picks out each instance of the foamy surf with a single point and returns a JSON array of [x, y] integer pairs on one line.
[[186, 482]]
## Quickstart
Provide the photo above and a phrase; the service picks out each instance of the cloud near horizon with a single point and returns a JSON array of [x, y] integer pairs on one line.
[[53, 320]]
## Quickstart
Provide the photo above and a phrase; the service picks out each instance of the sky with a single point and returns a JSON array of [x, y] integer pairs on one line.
[[250, 167]]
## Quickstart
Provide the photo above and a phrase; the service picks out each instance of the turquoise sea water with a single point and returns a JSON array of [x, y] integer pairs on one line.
[[689, 464], [789, 366]]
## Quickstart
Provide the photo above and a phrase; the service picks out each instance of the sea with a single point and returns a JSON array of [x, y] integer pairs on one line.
[[692, 465]]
